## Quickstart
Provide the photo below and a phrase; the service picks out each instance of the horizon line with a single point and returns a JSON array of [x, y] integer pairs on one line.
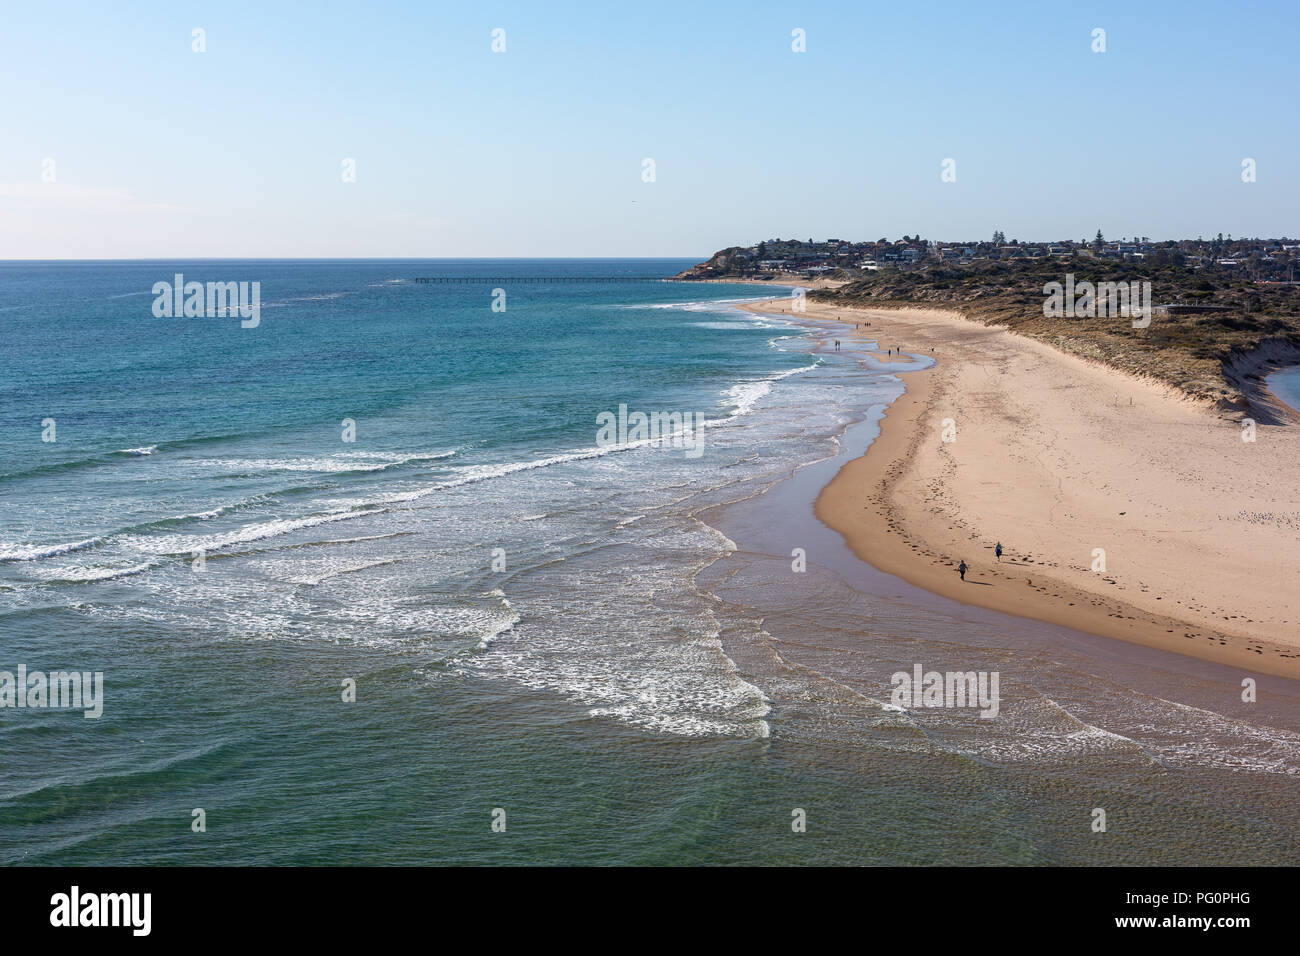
[[350, 258]]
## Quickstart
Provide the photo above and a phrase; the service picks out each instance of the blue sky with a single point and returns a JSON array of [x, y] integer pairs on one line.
[[159, 151]]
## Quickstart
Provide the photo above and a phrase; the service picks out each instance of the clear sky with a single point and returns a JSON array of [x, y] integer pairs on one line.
[[159, 151]]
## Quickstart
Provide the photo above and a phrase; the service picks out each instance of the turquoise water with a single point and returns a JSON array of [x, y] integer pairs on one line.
[[607, 643], [1285, 384]]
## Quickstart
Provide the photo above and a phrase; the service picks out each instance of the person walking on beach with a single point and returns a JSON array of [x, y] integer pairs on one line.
[[998, 550], [961, 569]]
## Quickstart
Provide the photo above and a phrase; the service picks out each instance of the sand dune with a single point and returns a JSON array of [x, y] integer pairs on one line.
[[1055, 457]]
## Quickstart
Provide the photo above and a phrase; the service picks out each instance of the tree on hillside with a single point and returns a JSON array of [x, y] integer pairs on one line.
[[1099, 241]]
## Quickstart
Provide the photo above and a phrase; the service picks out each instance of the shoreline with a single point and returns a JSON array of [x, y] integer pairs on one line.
[[1293, 406], [915, 507], [778, 280], [1248, 372]]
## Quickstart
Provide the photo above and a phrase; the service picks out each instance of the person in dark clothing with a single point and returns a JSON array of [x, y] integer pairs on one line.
[[961, 569], [998, 550]]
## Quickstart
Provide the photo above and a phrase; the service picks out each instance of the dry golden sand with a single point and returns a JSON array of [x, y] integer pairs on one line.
[[1054, 457]]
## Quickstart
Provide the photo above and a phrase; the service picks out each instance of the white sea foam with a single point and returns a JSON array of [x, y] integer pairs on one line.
[[502, 623], [181, 544], [745, 395], [203, 515], [624, 636], [86, 573], [323, 297], [315, 579], [472, 474], [321, 464], [32, 552]]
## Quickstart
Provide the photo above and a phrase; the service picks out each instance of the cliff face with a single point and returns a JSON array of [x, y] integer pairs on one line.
[[1244, 370], [724, 262]]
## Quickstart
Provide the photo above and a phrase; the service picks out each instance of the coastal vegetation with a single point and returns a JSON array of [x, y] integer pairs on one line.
[[1207, 316]]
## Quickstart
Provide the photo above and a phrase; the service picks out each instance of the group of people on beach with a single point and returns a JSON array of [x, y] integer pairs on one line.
[[962, 568]]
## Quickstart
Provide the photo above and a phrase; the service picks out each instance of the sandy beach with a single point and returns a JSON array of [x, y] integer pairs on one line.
[[781, 279], [1056, 458]]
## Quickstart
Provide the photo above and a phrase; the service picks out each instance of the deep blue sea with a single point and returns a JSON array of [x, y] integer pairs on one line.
[[391, 486]]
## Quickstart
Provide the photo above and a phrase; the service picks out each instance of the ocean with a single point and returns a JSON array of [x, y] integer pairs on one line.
[[367, 585], [1285, 384]]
